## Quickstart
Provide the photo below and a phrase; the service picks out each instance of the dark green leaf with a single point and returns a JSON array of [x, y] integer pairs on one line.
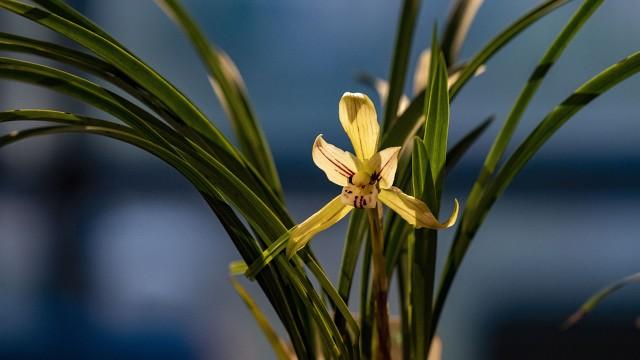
[[230, 89], [408, 122], [436, 112], [400, 60], [474, 211]]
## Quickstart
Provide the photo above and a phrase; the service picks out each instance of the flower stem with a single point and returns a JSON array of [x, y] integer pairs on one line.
[[380, 286]]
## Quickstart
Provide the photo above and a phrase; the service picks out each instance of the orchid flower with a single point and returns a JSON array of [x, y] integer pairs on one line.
[[366, 177]]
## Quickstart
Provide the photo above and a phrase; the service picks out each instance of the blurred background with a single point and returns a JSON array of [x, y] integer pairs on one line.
[[106, 252]]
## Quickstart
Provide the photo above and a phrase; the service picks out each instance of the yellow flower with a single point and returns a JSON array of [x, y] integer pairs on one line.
[[366, 178]]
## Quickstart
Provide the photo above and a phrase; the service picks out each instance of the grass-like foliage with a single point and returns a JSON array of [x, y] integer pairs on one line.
[[242, 186]]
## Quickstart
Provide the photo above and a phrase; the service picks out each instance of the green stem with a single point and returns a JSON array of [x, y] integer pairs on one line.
[[380, 287]]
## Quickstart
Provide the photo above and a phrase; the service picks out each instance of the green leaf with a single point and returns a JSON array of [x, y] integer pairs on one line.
[[436, 112], [268, 255], [586, 93], [335, 298], [405, 307], [420, 168], [421, 259], [397, 232], [276, 248], [87, 91], [150, 126], [366, 316], [62, 9], [598, 297], [458, 23], [357, 230], [396, 229], [229, 87], [400, 60], [542, 69], [408, 122], [150, 80], [474, 211], [272, 337], [295, 277], [60, 117], [503, 39], [528, 148], [92, 65]]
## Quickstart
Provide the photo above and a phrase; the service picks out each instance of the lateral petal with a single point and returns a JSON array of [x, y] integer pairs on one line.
[[320, 221], [337, 164], [414, 211], [360, 122], [388, 166]]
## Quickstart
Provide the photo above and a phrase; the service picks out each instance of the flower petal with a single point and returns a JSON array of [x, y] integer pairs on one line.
[[360, 122], [388, 166], [339, 165], [321, 220], [414, 211]]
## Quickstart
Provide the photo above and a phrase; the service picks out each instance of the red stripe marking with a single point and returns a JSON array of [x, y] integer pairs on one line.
[[346, 172]]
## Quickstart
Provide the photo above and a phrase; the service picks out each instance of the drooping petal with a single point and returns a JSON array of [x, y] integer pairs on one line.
[[414, 211], [388, 166], [360, 122], [339, 165], [320, 221]]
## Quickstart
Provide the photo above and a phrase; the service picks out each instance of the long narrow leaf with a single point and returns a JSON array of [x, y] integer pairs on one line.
[[229, 86], [407, 122], [356, 233], [598, 297], [91, 64], [400, 60], [437, 117], [126, 111], [421, 259], [127, 63], [308, 295], [458, 24], [62, 9], [542, 69], [396, 229], [272, 337], [471, 220], [586, 93]]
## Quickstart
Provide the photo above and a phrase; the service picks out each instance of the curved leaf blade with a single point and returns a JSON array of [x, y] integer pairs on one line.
[[229, 86]]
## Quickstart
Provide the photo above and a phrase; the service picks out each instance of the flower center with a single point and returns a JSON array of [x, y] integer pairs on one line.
[[360, 179], [362, 191]]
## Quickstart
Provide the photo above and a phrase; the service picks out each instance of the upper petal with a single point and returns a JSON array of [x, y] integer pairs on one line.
[[388, 166], [414, 211], [321, 220], [360, 122], [339, 165]]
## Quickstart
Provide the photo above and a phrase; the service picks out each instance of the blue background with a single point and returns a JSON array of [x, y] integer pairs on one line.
[[107, 252]]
